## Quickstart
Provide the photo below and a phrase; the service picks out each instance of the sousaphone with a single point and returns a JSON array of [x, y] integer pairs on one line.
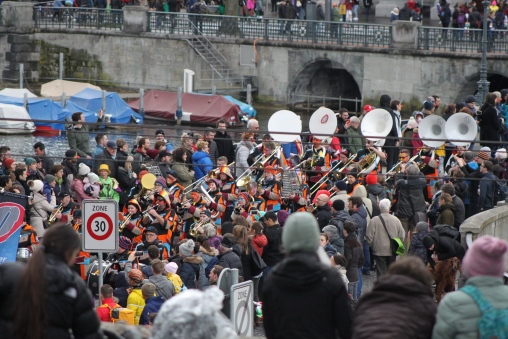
[[376, 125], [322, 123], [461, 129], [432, 131], [285, 126]]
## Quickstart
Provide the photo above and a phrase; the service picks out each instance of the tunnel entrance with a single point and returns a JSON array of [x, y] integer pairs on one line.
[[497, 83], [325, 83]]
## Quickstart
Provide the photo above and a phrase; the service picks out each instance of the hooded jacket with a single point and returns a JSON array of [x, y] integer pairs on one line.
[[190, 271], [376, 193], [445, 248], [202, 164], [360, 219], [163, 287], [153, 305], [445, 214], [323, 215], [392, 296], [487, 185], [136, 303], [289, 300], [207, 257], [230, 259], [338, 219], [410, 190]]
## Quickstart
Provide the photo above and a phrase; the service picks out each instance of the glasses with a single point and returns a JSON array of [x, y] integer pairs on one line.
[[160, 199]]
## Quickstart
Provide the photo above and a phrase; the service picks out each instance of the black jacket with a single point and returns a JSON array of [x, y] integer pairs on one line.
[[445, 248], [410, 191], [9, 279], [489, 126], [69, 303], [353, 252], [272, 254], [384, 103], [289, 300], [459, 214], [230, 259], [323, 215], [225, 147]]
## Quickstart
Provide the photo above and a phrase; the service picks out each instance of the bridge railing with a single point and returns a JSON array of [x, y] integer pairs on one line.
[[233, 27], [71, 18], [461, 40]]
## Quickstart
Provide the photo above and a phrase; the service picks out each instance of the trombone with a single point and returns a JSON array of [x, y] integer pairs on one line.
[[212, 174], [317, 185], [246, 176], [396, 167]]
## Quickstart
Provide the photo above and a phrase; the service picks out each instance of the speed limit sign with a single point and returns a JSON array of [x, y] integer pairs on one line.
[[100, 230]]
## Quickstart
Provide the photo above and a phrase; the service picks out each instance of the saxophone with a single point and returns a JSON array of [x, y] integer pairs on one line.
[[52, 217], [125, 222]]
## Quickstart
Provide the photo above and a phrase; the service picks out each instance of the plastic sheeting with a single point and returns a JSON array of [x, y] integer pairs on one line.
[[55, 88], [15, 127]]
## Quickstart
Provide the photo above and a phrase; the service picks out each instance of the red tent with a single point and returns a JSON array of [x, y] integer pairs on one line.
[[204, 108]]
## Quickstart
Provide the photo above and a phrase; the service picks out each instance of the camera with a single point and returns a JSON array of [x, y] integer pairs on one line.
[[254, 211], [479, 113], [237, 210]]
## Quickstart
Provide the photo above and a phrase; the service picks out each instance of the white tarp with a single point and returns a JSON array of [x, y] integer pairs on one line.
[[15, 127], [55, 88], [17, 93]]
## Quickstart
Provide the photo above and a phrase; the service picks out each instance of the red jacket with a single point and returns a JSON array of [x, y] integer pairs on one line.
[[104, 312]]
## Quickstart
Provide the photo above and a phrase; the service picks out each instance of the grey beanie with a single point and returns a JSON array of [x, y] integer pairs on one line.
[[331, 229], [186, 248], [422, 226], [301, 233]]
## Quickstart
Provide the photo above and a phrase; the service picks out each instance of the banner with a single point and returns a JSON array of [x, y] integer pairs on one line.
[[12, 216]]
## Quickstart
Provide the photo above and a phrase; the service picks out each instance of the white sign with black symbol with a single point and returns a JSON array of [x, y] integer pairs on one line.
[[100, 225], [242, 308]]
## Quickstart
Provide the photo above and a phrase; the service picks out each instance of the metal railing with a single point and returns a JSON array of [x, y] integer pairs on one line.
[[70, 18], [461, 40], [233, 27], [314, 101]]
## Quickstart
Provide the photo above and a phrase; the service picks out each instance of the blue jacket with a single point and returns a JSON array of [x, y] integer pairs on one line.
[[153, 305], [487, 184], [203, 162], [46, 191]]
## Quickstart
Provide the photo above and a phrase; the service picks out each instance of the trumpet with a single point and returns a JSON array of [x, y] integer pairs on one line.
[[125, 222], [396, 167], [194, 230], [212, 174], [145, 213], [52, 217]]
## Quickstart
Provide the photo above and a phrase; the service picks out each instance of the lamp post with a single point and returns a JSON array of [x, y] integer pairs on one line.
[[483, 84]]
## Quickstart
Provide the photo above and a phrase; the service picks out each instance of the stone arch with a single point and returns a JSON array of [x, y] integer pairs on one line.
[[498, 81], [328, 78]]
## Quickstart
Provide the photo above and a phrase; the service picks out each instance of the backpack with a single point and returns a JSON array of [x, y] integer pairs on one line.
[[210, 266], [493, 322], [447, 231], [118, 313], [500, 191]]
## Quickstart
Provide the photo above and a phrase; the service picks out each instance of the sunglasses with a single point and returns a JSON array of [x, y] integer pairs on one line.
[[161, 199]]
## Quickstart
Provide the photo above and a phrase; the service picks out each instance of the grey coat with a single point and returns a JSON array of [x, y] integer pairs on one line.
[[414, 195]]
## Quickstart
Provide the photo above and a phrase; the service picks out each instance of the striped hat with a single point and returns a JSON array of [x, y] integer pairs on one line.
[[124, 243]]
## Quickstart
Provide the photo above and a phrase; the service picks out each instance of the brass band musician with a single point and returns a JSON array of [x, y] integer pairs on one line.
[[133, 228], [162, 218], [269, 189], [217, 204]]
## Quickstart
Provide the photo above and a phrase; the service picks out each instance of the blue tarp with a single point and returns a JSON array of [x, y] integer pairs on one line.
[[41, 109], [91, 100], [246, 108]]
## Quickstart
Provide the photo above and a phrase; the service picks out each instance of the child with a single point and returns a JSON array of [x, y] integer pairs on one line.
[[171, 269], [416, 247], [339, 262]]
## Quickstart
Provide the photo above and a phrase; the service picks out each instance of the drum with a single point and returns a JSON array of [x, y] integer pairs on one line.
[[92, 276], [23, 254]]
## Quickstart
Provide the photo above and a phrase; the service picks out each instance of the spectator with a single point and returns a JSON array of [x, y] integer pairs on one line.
[[227, 257], [107, 303], [298, 281], [47, 162], [201, 161], [171, 270], [353, 252], [406, 284], [153, 303], [78, 134], [40, 209], [181, 171], [108, 157], [441, 248], [459, 312], [380, 231], [225, 145], [135, 301], [322, 212], [242, 152], [446, 210], [163, 287], [487, 186], [417, 248], [140, 156], [489, 123], [190, 271]]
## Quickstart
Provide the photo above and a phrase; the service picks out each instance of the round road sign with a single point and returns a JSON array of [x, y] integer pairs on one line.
[[99, 226]]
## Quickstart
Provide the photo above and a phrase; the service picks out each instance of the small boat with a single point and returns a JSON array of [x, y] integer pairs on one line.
[[46, 131], [23, 123]]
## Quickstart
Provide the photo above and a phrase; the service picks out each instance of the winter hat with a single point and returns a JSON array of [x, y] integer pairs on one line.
[[193, 314], [486, 256], [484, 153], [8, 162], [338, 205], [124, 243], [352, 173], [83, 169], [227, 241], [29, 161], [104, 167], [427, 242], [422, 226], [428, 105], [49, 178], [70, 153], [301, 233], [93, 177], [282, 217], [504, 93], [341, 185], [245, 196], [148, 290], [371, 178], [470, 99], [136, 276], [142, 173], [395, 11], [159, 131], [78, 213], [35, 185], [161, 181], [368, 108], [412, 123], [186, 248], [501, 153], [172, 267]]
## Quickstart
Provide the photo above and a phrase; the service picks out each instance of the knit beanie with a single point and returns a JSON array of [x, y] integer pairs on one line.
[[186, 248], [412, 123], [136, 276], [124, 243], [49, 178], [35, 185], [301, 233], [172, 267], [93, 177], [28, 161], [501, 153], [341, 185], [83, 169], [428, 242], [338, 205], [371, 178], [8, 162], [282, 217], [161, 181], [486, 256], [484, 153]]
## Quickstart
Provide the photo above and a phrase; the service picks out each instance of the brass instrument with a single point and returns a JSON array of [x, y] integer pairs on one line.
[[194, 230], [145, 213], [125, 221], [211, 174], [309, 163], [366, 162], [244, 179], [179, 206], [317, 185], [396, 168], [52, 217]]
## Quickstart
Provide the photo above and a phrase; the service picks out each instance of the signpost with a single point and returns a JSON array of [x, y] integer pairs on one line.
[[100, 228], [242, 308]]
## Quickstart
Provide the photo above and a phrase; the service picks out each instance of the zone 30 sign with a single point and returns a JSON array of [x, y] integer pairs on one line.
[[100, 230]]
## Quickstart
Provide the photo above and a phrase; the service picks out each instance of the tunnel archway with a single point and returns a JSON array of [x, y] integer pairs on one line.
[[328, 81], [497, 83]]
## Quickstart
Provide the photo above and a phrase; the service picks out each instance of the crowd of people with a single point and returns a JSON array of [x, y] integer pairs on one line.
[[305, 221]]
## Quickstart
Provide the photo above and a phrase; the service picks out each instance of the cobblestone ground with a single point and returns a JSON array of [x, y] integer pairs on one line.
[[368, 283]]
